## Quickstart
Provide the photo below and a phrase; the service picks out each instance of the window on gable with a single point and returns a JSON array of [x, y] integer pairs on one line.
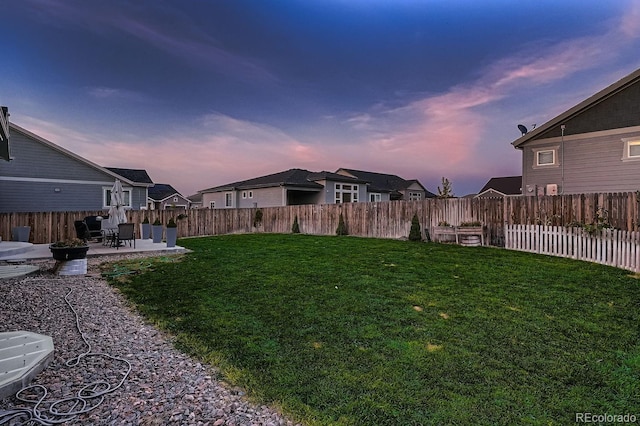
[[545, 158], [415, 196], [631, 149]]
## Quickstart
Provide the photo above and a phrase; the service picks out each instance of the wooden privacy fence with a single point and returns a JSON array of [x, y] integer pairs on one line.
[[611, 247], [390, 219]]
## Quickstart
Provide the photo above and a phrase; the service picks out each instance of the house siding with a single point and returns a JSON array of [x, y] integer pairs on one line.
[[262, 197], [592, 163], [40, 178], [620, 110]]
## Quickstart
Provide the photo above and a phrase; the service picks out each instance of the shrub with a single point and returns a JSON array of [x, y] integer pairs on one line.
[[257, 218], [342, 227], [415, 234], [295, 228]]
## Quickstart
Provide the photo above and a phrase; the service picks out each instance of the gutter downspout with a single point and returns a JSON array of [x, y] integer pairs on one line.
[[562, 127]]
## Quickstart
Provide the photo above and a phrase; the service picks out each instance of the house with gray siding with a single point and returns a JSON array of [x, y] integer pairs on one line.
[[590, 148], [498, 187], [42, 176], [387, 187], [289, 187], [163, 196]]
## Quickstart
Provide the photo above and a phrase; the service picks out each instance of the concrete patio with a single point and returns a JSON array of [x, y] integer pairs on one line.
[[15, 256]]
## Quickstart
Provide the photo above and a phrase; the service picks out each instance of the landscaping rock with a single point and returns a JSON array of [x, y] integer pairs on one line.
[[164, 386]]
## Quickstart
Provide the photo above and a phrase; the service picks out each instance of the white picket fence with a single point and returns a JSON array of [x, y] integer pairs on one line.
[[608, 247]]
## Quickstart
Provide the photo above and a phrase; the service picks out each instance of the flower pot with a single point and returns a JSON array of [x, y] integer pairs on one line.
[[145, 231], [21, 233], [69, 253], [156, 233], [172, 236]]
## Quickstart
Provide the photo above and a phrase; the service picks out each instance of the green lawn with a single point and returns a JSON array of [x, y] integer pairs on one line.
[[354, 331]]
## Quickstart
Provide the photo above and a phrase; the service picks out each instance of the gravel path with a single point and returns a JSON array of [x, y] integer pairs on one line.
[[163, 387]]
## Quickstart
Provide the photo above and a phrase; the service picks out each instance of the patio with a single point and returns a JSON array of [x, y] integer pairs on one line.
[[15, 256]]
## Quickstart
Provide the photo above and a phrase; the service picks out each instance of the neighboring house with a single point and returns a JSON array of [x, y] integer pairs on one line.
[[385, 187], [42, 176], [290, 187], [164, 197], [195, 201], [592, 147], [139, 176], [501, 187]]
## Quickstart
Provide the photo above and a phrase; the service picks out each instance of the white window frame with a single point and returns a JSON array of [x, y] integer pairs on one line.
[[244, 195], [375, 197], [346, 188], [415, 196], [106, 197], [538, 151], [228, 199], [212, 204], [250, 194], [626, 154]]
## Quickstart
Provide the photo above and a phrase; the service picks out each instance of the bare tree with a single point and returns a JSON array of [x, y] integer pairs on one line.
[[446, 190]]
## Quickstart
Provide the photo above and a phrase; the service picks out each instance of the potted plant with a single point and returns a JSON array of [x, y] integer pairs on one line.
[[145, 229], [472, 233], [72, 249], [21, 233], [172, 229], [444, 231], [172, 233], [156, 231]]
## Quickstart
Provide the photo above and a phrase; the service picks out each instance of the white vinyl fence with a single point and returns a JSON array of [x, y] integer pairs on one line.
[[608, 247]]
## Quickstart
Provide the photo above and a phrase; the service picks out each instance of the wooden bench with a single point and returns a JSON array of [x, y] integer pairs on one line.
[[457, 231]]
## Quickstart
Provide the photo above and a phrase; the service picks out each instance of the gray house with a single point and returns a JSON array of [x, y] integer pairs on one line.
[[290, 187], [592, 147], [386, 187], [497, 187], [163, 197], [42, 176]]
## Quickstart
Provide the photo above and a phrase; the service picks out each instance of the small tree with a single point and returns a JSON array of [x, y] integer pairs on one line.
[[445, 191], [295, 228], [415, 234], [257, 218], [342, 227]]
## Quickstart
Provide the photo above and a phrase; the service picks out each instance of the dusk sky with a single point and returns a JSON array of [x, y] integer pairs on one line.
[[203, 93]]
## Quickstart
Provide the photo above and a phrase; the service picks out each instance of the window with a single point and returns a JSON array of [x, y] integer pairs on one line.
[[228, 199], [250, 194], [545, 157], [244, 195], [373, 197], [106, 192], [346, 193], [212, 204], [631, 149], [415, 196]]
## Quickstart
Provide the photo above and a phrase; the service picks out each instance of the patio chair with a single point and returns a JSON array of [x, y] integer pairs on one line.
[[94, 225], [126, 232], [82, 230]]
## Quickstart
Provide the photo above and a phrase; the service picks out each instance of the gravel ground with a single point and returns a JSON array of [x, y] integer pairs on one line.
[[163, 387]]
